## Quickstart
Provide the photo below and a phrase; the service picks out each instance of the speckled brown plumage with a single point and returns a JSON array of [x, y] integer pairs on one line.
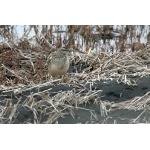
[[58, 62]]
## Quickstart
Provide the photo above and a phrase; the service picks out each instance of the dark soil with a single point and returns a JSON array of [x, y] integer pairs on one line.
[[112, 91]]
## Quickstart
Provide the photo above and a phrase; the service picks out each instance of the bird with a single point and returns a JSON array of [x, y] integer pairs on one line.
[[59, 61]]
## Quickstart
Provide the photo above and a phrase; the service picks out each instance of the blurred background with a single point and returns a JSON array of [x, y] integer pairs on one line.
[[95, 38]]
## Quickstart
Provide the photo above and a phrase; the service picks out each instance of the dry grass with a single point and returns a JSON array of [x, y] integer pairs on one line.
[[23, 69]]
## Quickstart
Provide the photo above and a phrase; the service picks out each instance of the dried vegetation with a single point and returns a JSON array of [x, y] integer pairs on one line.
[[28, 94]]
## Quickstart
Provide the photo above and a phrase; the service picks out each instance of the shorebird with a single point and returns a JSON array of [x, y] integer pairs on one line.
[[59, 61]]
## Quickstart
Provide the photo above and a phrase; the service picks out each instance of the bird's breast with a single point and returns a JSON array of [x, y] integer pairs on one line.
[[59, 68]]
